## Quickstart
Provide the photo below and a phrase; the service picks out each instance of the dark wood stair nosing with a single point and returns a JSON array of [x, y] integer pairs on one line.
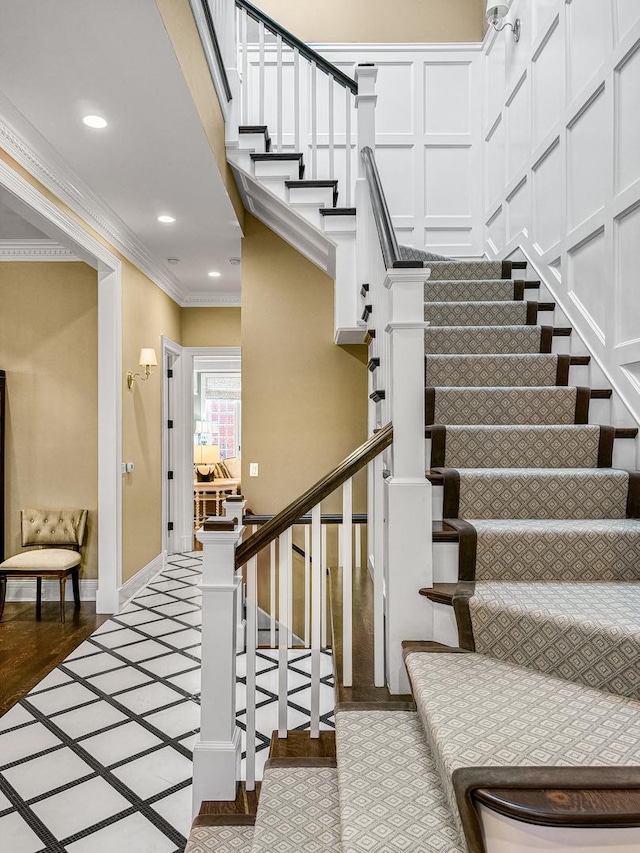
[[258, 129], [531, 285], [620, 432], [337, 211], [601, 393]]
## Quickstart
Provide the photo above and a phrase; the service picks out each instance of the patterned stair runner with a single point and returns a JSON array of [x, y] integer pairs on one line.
[[391, 797], [480, 313], [497, 371], [220, 839], [539, 405], [475, 270], [460, 340], [488, 290]]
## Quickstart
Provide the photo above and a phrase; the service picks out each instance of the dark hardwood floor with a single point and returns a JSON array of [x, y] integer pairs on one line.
[[30, 648]]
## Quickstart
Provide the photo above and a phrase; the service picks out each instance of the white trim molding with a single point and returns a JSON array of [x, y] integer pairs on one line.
[[141, 578], [35, 251], [24, 589]]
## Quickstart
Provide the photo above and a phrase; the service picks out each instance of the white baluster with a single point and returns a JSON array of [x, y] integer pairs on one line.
[[252, 642], [324, 586], [347, 148], [279, 91], [332, 169], [358, 537], [272, 594], [314, 121], [261, 74], [296, 99], [245, 69], [316, 615], [378, 517], [283, 650], [307, 583], [347, 583], [289, 539]]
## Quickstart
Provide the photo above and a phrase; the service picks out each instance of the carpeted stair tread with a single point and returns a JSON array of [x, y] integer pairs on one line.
[[489, 340], [489, 405], [521, 493], [494, 370], [480, 313], [220, 839], [298, 810], [465, 290], [532, 550], [480, 712], [391, 797], [527, 446], [459, 269], [583, 632]]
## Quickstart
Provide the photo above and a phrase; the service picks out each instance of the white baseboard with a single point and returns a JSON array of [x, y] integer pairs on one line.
[[140, 579], [25, 590]]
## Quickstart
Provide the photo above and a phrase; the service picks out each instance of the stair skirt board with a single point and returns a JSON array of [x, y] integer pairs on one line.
[[482, 446], [497, 371], [600, 550], [488, 405], [588, 633], [542, 493], [487, 340], [481, 313], [488, 290]]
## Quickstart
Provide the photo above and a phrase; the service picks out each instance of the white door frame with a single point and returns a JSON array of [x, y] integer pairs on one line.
[[60, 226]]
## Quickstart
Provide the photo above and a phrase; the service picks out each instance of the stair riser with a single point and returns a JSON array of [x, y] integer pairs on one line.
[[487, 341], [480, 313], [471, 270], [254, 142], [506, 406], [322, 196], [285, 169], [492, 371], [496, 290]]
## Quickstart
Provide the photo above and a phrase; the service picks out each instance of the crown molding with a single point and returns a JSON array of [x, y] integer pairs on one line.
[[35, 250], [211, 300], [22, 141]]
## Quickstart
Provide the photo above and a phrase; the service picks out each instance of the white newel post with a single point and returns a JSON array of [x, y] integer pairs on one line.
[[233, 507], [366, 100], [228, 39], [409, 564], [216, 755]]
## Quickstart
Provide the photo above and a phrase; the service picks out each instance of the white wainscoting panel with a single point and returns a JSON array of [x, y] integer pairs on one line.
[[561, 150]]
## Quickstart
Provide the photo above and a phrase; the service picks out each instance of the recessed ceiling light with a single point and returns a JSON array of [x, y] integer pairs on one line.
[[96, 122], [234, 261], [173, 260], [214, 274], [166, 218]]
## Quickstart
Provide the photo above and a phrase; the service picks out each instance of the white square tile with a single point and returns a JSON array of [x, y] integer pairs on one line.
[[166, 585], [190, 741], [183, 639], [16, 716], [152, 600], [67, 696], [147, 698], [176, 810], [177, 608], [79, 807], [119, 679], [101, 662], [189, 681], [169, 664], [4, 802], [106, 628], [142, 651], [267, 719], [159, 628], [183, 573], [20, 743], [195, 651], [134, 834], [46, 773], [193, 618], [118, 638], [183, 719], [137, 617], [17, 836], [55, 678], [85, 648], [120, 743], [156, 772], [82, 721]]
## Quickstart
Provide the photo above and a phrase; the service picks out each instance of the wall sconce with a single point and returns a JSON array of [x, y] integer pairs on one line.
[[496, 12], [147, 360]]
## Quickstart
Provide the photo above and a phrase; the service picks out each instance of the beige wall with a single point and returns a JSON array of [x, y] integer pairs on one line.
[[147, 313], [379, 20], [210, 327], [49, 349], [304, 399]]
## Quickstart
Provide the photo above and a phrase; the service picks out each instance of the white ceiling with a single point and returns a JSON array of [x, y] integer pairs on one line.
[[12, 225], [60, 61]]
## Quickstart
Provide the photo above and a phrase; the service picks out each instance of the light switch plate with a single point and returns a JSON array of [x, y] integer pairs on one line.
[[253, 469]]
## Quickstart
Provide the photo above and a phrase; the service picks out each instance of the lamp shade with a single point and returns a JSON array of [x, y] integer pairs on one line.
[[206, 454], [148, 357], [496, 11]]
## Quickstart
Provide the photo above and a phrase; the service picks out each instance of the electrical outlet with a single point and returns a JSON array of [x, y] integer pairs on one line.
[[253, 469]]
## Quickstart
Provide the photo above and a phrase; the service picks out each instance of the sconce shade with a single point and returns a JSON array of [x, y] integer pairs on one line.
[[206, 454], [496, 11], [148, 357]]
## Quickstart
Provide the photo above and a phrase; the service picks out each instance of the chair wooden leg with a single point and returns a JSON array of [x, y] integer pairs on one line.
[[38, 597], [63, 583], [3, 593], [75, 581]]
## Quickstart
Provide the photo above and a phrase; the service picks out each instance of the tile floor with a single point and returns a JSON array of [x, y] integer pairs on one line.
[[98, 756]]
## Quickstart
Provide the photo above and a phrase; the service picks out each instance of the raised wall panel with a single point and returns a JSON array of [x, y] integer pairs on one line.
[[447, 181], [628, 15], [547, 85], [588, 286], [495, 162], [396, 173], [447, 93], [588, 37], [627, 266], [496, 230], [542, 11], [519, 210], [548, 201], [494, 79], [394, 87], [588, 163], [448, 239], [518, 130], [628, 121]]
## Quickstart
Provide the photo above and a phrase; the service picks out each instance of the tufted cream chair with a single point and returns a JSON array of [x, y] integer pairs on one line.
[[58, 535]]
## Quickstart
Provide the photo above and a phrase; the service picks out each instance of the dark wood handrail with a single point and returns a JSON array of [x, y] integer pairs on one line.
[[384, 226], [318, 492], [304, 49], [206, 11], [326, 518]]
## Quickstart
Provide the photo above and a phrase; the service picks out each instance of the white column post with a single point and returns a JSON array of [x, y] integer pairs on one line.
[[233, 507], [409, 562], [216, 755], [366, 100]]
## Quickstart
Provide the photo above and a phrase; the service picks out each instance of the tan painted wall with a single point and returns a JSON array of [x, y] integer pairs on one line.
[[49, 349], [181, 28], [147, 313], [379, 20], [304, 399], [210, 327]]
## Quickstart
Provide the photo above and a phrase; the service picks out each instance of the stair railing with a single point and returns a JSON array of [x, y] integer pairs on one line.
[[307, 102], [266, 555]]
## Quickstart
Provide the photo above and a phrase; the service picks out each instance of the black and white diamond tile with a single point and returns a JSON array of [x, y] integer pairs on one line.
[[98, 757]]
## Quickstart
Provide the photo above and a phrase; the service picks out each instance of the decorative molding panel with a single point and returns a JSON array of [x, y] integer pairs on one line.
[[141, 578], [34, 250]]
